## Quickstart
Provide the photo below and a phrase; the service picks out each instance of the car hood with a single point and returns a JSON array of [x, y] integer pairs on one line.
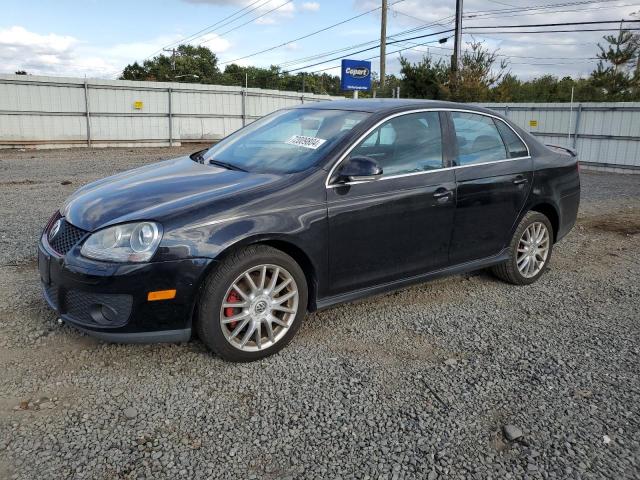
[[156, 191]]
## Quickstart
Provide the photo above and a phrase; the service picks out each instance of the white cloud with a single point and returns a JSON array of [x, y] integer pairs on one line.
[[61, 55], [19, 37], [219, 2], [285, 12], [310, 6], [214, 42], [253, 9], [21, 49]]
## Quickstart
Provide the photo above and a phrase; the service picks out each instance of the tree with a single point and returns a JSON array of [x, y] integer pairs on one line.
[[614, 75], [508, 90], [134, 71], [477, 74], [187, 64], [425, 79], [21, 72]]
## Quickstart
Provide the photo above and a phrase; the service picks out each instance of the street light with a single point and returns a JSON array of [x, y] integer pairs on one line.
[[192, 75]]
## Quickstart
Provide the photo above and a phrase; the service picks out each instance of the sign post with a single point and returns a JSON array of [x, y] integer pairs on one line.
[[355, 75]]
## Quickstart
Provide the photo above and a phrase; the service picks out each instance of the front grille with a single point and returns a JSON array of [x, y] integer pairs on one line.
[[66, 238]]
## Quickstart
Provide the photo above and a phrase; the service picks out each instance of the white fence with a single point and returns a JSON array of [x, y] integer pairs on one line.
[[605, 135], [63, 112]]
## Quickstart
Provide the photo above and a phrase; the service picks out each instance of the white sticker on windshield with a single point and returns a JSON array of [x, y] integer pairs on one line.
[[306, 142]]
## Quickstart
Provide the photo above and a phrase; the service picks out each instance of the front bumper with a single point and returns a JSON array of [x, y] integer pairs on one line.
[[109, 300]]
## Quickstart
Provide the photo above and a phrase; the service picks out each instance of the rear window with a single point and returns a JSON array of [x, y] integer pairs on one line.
[[477, 139], [515, 147]]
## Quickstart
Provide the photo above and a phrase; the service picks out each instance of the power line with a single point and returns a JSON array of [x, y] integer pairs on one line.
[[510, 56], [329, 27], [404, 14], [501, 3], [359, 45], [444, 55], [372, 48], [199, 34], [491, 27], [562, 24], [474, 17], [250, 21], [206, 30], [512, 32], [378, 8], [376, 56], [545, 6]]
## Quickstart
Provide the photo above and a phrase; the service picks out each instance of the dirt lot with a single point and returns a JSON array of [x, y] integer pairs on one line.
[[415, 384]]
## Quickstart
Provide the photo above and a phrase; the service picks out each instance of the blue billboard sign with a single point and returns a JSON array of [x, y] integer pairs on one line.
[[355, 75]]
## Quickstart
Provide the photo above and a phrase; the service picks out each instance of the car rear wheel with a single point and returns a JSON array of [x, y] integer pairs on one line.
[[252, 304], [529, 251]]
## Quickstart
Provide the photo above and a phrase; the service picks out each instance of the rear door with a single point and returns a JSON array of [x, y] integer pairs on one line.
[[493, 177], [399, 225]]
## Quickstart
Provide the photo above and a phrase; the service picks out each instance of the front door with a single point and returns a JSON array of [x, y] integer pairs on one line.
[[494, 176], [400, 224]]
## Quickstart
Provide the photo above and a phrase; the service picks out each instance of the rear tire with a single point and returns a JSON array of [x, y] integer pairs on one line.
[[246, 293], [529, 251]]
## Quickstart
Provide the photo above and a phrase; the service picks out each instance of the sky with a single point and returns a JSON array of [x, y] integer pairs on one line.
[[97, 39]]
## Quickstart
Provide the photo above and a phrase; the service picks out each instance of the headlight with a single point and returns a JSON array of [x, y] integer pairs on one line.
[[130, 242]]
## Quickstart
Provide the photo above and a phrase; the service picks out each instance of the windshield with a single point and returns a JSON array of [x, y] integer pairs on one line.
[[286, 141]]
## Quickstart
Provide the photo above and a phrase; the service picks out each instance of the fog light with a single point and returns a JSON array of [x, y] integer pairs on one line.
[[161, 295]]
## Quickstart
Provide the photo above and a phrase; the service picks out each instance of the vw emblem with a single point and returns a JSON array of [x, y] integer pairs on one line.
[[261, 307], [55, 229]]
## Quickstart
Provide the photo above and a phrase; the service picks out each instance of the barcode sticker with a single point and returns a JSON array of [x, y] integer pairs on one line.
[[306, 142]]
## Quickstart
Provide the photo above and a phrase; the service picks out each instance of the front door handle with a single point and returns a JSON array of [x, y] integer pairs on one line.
[[520, 180]]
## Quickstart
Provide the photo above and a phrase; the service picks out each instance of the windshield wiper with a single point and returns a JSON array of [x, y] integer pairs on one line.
[[226, 165]]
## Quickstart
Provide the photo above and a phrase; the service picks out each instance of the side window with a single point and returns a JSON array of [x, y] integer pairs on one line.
[[384, 135], [405, 144], [515, 146], [477, 138]]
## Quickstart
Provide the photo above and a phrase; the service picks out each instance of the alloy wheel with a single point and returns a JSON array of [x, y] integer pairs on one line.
[[259, 307], [533, 250]]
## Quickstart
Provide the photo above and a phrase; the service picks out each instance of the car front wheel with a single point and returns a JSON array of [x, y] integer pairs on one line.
[[252, 304], [529, 251]]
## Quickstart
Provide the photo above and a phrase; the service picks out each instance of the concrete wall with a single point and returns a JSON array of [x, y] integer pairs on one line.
[[46, 112], [605, 135]]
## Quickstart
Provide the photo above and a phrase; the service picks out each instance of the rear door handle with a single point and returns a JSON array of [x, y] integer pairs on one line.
[[520, 180], [442, 192]]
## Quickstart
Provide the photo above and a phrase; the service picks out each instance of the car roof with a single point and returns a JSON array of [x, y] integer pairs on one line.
[[381, 105]]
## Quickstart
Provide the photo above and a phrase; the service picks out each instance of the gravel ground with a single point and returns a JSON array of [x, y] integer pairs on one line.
[[416, 384]]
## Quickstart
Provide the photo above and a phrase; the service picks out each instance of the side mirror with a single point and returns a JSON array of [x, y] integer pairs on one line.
[[359, 169]]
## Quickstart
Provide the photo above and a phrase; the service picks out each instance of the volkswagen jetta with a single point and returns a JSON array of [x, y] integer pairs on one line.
[[303, 209]]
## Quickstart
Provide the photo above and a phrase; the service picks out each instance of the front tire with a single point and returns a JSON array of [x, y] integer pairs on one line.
[[252, 304], [529, 251]]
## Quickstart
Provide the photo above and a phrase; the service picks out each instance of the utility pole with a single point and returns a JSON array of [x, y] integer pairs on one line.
[[173, 57], [458, 37], [383, 43]]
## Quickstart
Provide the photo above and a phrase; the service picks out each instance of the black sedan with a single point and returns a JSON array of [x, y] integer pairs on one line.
[[303, 209]]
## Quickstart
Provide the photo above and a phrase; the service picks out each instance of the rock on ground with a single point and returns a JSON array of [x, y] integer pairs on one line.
[[363, 391]]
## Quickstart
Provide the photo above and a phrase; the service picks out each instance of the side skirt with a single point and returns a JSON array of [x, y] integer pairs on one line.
[[327, 302]]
